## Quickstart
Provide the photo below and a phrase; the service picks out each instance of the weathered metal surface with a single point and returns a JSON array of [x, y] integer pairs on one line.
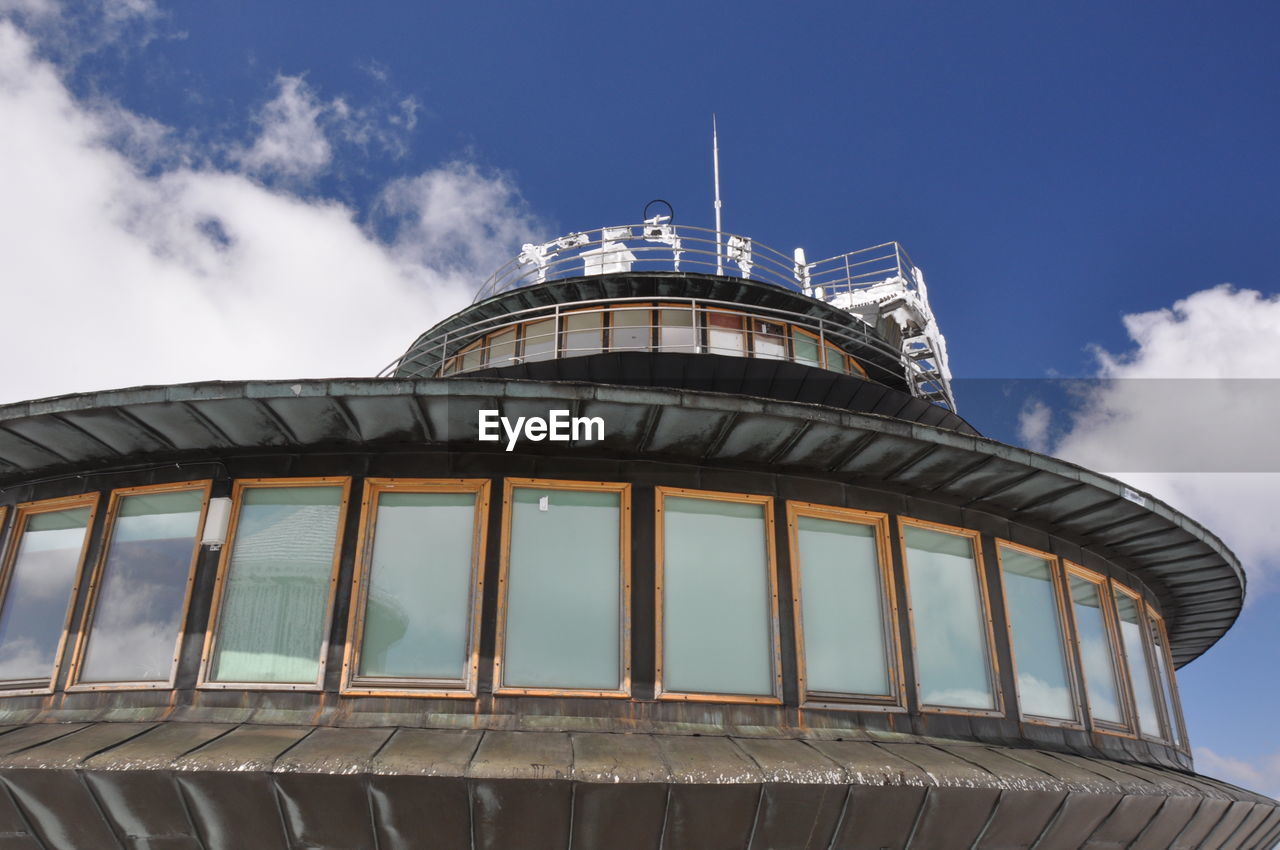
[[1200, 583]]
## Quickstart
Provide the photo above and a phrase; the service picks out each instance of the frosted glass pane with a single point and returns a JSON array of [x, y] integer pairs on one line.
[[631, 329], [583, 333], [725, 334], [716, 614], [35, 606], [1139, 672], [769, 339], [540, 340], [836, 360], [418, 608], [1096, 652], [564, 596], [1044, 686], [805, 349], [841, 606], [951, 643], [502, 347], [276, 592], [138, 612], [676, 331], [1166, 684]]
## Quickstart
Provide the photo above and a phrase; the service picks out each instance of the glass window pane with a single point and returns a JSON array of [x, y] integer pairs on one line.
[[716, 613], [725, 334], [418, 606], [1044, 686], [769, 339], [676, 331], [39, 593], [630, 329], [540, 340], [564, 590], [583, 333], [473, 356], [806, 349], [502, 347], [276, 590], [1096, 653], [1166, 682], [946, 601], [836, 361], [1139, 673], [143, 588], [841, 607]]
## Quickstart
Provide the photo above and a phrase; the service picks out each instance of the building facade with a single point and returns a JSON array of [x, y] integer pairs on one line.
[[667, 541]]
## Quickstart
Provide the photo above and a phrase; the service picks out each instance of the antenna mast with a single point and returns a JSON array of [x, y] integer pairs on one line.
[[715, 159]]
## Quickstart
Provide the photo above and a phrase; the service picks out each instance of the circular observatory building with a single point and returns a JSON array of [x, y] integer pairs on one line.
[[666, 542]]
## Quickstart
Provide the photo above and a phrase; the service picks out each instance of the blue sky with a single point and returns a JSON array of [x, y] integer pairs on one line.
[[1053, 169]]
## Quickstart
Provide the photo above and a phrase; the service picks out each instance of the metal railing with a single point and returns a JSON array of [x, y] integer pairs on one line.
[[657, 245], [446, 354]]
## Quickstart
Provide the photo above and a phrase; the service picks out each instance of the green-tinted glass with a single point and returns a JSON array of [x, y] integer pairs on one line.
[[951, 644], [418, 607], [716, 615], [564, 591], [842, 609], [275, 596]]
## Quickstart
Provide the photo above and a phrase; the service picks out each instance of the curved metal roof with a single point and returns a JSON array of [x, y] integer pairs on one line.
[[1199, 581]]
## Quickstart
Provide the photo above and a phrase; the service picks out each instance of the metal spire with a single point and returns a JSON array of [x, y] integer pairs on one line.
[[715, 159]]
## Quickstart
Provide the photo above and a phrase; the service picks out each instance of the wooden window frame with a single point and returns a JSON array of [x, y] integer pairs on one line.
[[517, 344], [354, 684], [817, 342], [1058, 579], [993, 661], [478, 344], [785, 335], [623, 489], [204, 487], [771, 567], [1153, 675], [1128, 728], [239, 488], [17, 687], [896, 699], [521, 355], [1177, 724]]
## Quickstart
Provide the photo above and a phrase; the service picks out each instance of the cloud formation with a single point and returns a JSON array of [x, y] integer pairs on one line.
[[1196, 399], [1261, 775], [131, 261]]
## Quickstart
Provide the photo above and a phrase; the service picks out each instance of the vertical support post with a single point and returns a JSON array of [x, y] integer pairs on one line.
[[715, 160]]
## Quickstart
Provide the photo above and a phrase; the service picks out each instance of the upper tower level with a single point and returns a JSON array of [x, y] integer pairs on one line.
[[662, 305]]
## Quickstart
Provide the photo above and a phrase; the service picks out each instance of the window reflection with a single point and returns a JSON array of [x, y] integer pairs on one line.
[[42, 574], [948, 614], [1044, 684], [1167, 688], [142, 592], [842, 607], [1097, 655], [275, 596], [418, 600], [1139, 671]]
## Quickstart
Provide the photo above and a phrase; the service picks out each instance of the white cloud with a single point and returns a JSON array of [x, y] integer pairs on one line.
[[1193, 407], [123, 267], [1261, 774], [1034, 421], [291, 141]]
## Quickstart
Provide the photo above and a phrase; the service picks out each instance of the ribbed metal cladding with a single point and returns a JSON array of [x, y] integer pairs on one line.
[[216, 786], [1199, 581]]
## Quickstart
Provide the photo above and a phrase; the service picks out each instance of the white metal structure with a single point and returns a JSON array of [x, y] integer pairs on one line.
[[880, 285]]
